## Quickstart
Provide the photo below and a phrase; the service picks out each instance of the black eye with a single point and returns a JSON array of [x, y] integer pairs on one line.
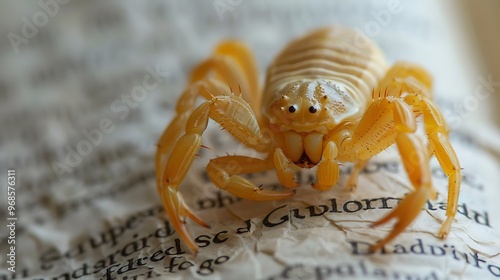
[[312, 110], [292, 109]]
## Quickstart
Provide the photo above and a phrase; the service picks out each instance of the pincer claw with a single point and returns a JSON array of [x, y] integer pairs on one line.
[[178, 211]]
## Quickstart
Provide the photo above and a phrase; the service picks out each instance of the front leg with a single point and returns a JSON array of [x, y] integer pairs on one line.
[[224, 173], [235, 115], [403, 95], [205, 88], [386, 121], [232, 66]]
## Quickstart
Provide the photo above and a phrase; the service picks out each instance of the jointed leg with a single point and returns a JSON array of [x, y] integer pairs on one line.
[[233, 63], [177, 166], [223, 172], [231, 67], [352, 182], [445, 154], [390, 118], [416, 162], [386, 121], [375, 132], [205, 88], [449, 162], [405, 77], [234, 114], [245, 59]]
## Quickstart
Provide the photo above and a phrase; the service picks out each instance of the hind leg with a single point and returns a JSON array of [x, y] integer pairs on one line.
[[233, 63]]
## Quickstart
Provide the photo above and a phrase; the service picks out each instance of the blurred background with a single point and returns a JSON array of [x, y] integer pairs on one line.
[[483, 19], [87, 87]]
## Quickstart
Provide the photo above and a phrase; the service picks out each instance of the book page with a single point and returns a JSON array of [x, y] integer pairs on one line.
[[88, 87]]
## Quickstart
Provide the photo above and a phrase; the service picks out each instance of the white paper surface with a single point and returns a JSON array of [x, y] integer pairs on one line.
[[91, 211]]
